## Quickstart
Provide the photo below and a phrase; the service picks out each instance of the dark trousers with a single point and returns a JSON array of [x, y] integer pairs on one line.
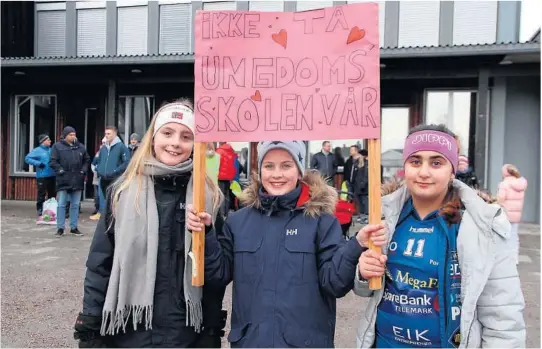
[[226, 204], [104, 185], [46, 187], [363, 201]]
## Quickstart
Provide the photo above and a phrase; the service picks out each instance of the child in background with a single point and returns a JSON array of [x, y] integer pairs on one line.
[[511, 195]]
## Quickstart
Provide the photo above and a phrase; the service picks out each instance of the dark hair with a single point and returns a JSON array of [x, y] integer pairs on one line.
[[451, 208], [113, 128], [355, 146], [364, 152], [324, 143]]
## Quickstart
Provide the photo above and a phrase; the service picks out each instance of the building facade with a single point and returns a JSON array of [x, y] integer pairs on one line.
[[94, 63]]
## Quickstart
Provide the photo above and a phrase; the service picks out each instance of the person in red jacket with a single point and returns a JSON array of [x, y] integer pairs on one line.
[[226, 173]]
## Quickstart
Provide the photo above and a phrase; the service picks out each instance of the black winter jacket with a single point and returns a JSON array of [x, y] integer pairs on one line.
[[169, 327], [70, 163]]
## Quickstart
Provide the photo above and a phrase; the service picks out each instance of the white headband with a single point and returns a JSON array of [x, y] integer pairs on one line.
[[178, 113]]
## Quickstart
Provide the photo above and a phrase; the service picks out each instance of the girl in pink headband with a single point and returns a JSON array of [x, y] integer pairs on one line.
[[449, 277]]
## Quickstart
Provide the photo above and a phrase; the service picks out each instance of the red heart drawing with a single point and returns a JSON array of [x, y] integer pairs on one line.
[[257, 96], [355, 35], [281, 38]]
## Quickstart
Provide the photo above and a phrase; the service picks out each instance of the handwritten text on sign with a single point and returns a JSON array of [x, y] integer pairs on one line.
[[283, 76]]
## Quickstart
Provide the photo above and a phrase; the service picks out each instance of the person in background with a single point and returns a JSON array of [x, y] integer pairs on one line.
[[70, 161], [465, 174], [212, 162], [510, 195], [113, 159], [227, 172], [324, 161], [351, 169], [447, 270], [98, 197], [138, 290], [39, 157], [243, 162], [135, 140], [339, 161], [361, 185], [285, 253]]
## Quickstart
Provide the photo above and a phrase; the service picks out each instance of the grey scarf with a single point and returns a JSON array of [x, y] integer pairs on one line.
[[130, 292]]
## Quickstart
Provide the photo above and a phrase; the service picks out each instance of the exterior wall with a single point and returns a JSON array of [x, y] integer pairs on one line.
[[140, 27], [515, 136]]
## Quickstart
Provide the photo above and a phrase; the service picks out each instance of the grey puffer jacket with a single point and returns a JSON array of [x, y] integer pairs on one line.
[[492, 300]]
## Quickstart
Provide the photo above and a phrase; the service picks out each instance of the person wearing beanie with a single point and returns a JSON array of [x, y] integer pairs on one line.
[[510, 195], [465, 174], [135, 139], [138, 290], [447, 264], [285, 253], [113, 159], [39, 157], [70, 161]]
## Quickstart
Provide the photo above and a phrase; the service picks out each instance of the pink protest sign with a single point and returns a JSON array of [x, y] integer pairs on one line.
[[288, 76]]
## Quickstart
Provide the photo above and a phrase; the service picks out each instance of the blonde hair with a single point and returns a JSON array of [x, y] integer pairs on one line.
[[134, 171], [513, 171]]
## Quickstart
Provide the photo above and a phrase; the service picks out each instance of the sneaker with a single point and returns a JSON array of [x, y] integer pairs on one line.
[[95, 217], [76, 232], [59, 232], [93, 212]]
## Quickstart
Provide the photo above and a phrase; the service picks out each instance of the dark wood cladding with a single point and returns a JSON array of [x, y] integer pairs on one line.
[[22, 188]]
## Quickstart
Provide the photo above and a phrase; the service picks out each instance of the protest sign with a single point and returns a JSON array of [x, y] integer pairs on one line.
[[285, 75]]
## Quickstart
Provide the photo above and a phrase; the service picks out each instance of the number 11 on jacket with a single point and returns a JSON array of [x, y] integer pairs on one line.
[[198, 238], [375, 202]]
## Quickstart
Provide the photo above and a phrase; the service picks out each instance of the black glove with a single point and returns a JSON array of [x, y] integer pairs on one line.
[[87, 331], [42, 165]]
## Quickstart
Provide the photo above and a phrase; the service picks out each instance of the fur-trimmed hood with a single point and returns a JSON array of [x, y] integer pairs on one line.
[[316, 197]]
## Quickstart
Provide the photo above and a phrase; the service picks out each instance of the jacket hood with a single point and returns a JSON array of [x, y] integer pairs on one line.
[[316, 196], [226, 147], [113, 142], [516, 184], [395, 194]]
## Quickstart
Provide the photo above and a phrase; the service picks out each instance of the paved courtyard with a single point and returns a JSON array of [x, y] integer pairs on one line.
[[42, 282]]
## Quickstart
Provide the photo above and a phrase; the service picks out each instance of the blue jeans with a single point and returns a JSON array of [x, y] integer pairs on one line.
[[74, 197], [98, 198]]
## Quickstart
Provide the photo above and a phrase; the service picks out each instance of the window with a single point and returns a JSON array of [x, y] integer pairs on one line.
[[91, 31], [34, 115], [394, 129], [475, 22], [453, 109], [219, 5], [51, 33], [134, 115], [267, 6], [132, 25], [419, 23], [312, 5], [175, 28]]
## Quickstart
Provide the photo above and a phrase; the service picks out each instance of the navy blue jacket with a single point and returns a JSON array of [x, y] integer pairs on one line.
[[288, 262], [169, 327], [113, 160], [70, 163]]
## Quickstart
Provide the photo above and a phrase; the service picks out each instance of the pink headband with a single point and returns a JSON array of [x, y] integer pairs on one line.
[[429, 140]]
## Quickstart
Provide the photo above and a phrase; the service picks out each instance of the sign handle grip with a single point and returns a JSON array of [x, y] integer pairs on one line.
[[375, 200], [198, 238]]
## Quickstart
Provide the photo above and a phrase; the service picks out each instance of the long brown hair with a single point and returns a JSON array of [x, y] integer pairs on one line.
[[134, 171]]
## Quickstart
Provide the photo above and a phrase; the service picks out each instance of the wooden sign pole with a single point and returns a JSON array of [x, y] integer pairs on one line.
[[375, 208], [198, 238]]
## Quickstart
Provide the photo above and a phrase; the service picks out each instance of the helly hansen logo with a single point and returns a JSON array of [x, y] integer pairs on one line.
[[422, 230], [177, 115], [291, 231]]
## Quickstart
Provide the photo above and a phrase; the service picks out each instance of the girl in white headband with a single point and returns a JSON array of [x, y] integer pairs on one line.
[[138, 290]]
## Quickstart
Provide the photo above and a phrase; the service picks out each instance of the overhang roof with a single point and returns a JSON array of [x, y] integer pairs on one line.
[[531, 47]]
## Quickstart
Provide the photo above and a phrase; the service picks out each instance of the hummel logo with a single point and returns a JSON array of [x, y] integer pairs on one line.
[[422, 230], [291, 231]]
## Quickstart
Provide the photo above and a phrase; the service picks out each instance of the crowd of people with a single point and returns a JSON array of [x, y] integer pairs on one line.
[[449, 251]]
